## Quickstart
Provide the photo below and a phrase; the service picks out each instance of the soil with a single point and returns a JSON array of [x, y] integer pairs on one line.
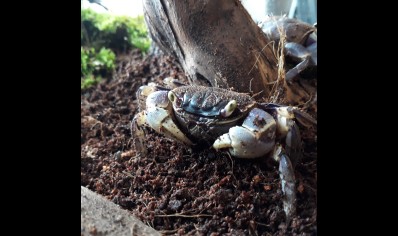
[[177, 189]]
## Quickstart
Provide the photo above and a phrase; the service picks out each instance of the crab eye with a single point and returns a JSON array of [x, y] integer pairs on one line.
[[174, 99], [171, 96], [228, 109]]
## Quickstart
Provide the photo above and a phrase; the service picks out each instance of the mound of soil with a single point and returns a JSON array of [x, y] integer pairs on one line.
[[175, 189]]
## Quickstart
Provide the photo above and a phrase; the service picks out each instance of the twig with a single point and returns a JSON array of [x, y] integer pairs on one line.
[[263, 224], [257, 57], [251, 91], [128, 174], [185, 216], [232, 168], [171, 231]]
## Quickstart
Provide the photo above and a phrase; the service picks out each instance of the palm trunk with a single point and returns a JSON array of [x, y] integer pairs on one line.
[[216, 41]]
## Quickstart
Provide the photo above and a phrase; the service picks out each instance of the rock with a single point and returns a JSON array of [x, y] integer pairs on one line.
[[99, 216]]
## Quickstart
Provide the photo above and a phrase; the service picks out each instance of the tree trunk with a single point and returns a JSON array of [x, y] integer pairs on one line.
[[216, 41]]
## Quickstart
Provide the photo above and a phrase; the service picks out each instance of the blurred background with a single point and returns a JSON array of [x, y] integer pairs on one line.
[[305, 10]]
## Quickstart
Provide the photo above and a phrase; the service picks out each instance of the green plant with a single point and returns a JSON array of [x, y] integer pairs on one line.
[[95, 65], [119, 33], [88, 81], [103, 36], [105, 58]]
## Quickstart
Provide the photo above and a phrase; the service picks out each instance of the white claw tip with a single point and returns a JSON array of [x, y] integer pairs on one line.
[[223, 141]]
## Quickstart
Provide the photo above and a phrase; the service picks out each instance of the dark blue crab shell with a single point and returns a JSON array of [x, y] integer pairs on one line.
[[197, 109], [208, 101]]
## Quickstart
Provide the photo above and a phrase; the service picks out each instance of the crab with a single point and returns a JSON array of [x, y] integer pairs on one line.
[[225, 120], [301, 41]]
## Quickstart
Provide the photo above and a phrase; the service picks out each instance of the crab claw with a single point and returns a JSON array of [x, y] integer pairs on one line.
[[159, 119], [255, 138], [159, 116]]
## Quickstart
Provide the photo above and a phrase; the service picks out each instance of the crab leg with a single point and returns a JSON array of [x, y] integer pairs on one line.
[[138, 133], [297, 51], [288, 129], [288, 157], [286, 169], [304, 118], [288, 182]]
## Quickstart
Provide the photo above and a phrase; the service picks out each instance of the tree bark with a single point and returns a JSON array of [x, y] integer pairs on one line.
[[216, 41]]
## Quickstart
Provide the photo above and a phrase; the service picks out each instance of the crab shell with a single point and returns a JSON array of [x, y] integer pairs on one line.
[[198, 110]]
